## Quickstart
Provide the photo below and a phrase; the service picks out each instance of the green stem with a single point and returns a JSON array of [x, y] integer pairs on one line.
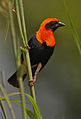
[[22, 97], [32, 90], [19, 78], [3, 109], [3, 80], [11, 94], [19, 22], [15, 52], [12, 27], [23, 20], [8, 102]]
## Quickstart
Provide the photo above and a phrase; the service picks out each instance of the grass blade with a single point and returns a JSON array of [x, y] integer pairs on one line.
[[29, 112], [11, 94], [3, 110], [8, 102], [3, 79], [75, 34], [36, 109]]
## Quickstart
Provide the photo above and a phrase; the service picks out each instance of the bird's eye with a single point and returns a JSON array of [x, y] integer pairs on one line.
[[50, 24], [53, 22], [47, 26]]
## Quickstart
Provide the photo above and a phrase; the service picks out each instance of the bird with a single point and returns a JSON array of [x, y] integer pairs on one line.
[[41, 47]]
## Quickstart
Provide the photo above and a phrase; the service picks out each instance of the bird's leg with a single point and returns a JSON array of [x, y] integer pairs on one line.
[[33, 66], [31, 82], [27, 46], [24, 49]]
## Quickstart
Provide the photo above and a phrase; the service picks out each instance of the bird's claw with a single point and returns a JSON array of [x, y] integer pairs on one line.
[[31, 82], [27, 47]]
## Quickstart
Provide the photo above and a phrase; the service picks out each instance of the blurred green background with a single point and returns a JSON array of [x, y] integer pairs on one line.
[[58, 87]]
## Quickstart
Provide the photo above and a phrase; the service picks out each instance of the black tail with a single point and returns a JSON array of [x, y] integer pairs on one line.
[[13, 80]]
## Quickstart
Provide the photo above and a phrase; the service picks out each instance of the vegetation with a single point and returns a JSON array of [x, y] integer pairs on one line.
[[7, 11], [16, 45]]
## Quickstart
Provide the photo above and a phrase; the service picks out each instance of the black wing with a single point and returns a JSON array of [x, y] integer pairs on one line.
[[39, 52]]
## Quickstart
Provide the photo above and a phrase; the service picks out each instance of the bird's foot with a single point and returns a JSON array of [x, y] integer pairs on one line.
[[24, 49], [31, 82], [27, 47]]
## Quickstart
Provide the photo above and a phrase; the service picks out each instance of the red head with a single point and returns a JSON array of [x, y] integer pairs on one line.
[[45, 32]]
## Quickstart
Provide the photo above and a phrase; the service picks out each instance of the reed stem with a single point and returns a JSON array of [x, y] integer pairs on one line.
[[3, 109], [16, 56], [32, 90], [8, 102]]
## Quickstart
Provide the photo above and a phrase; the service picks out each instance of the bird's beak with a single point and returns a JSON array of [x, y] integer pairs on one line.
[[60, 24]]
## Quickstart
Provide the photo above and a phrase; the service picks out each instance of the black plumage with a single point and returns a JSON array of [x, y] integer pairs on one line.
[[39, 53], [41, 45]]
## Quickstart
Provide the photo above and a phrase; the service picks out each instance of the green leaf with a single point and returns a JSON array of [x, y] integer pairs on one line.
[[29, 112], [36, 109], [75, 34], [8, 102]]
